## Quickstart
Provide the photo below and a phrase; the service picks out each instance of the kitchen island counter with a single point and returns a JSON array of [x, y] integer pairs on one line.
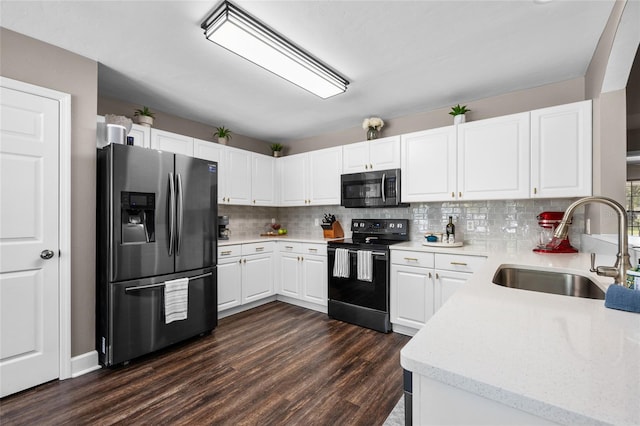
[[565, 359]]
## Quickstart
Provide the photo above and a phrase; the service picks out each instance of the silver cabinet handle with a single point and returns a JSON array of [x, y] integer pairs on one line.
[[289, 247], [312, 249], [259, 248], [46, 254], [225, 253], [430, 276], [459, 263], [410, 259]]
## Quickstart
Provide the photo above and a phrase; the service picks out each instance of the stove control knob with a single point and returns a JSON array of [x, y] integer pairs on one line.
[[361, 225], [399, 225], [392, 225]]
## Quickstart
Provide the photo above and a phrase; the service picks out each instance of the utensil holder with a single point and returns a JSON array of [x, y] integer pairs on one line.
[[333, 231]]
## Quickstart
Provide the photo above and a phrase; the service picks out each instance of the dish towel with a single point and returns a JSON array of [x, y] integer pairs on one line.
[[365, 265], [622, 298], [341, 263], [176, 300]]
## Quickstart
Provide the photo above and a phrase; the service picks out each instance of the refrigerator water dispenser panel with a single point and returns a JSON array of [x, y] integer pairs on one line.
[[138, 217]]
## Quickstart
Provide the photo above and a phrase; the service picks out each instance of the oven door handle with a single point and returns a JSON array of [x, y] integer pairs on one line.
[[384, 197], [375, 253]]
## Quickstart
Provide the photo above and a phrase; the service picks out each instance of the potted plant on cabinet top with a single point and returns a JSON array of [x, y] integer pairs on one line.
[[144, 116], [223, 135], [276, 149], [458, 113]]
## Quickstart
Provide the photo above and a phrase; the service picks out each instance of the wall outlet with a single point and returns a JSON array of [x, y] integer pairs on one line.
[[317, 222], [469, 225]]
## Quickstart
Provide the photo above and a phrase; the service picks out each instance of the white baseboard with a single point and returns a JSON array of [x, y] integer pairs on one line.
[[302, 303], [401, 329], [85, 363], [246, 307]]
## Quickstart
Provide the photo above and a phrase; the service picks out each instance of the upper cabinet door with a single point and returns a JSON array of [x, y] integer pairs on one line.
[[293, 180], [493, 158], [213, 152], [561, 150], [171, 142], [141, 135], [429, 165], [263, 188], [355, 157], [237, 166], [325, 168], [384, 153]]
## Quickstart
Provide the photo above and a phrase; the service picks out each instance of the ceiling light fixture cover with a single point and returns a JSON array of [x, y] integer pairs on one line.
[[237, 31]]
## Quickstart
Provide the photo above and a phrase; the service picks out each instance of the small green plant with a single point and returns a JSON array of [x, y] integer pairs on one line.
[[275, 147], [222, 132], [144, 111], [458, 110]]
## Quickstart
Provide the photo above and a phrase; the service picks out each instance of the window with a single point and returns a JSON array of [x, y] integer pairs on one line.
[[633, 206]]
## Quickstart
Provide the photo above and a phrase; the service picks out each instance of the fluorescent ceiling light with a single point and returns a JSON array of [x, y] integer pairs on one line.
[[237, 31]]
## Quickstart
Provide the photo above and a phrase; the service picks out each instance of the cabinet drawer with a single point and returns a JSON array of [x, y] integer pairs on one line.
[[257, 248], [289, 247], [319, 249], [412, 258], [460, 263], [229, 251]]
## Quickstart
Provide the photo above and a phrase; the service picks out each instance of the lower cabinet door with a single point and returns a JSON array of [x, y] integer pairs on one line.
[[289, 274], [314, 279], [257, 277], [447, 283], [229, 283], [411, 295]]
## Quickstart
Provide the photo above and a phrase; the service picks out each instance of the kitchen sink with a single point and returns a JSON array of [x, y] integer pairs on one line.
[[563, 283]]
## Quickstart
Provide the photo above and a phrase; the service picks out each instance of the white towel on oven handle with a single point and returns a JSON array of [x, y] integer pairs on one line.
[[341, 263], [365, 265]]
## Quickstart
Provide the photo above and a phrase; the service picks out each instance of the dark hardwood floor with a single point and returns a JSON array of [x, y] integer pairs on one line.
[[277, 364]]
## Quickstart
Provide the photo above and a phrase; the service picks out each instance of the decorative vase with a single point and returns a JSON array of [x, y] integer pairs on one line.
[[223, 140], [458, 119], [145, 120], [372, 133], [277, 153]]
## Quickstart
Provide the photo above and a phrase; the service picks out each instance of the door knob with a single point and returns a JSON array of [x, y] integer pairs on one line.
[[46, 254]]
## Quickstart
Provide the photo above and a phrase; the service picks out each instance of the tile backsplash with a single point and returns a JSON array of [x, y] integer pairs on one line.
[[502, 224]]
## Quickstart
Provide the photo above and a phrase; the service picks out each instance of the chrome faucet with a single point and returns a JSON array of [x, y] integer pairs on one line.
[[618, 271]]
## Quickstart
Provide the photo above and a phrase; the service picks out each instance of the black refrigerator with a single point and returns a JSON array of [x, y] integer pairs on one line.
[[156, 223]]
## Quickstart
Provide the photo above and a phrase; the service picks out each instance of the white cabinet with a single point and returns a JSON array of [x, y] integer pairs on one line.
[[377, 154], [493, 158], [171, 142], [257, 271], [234, 171], [561, 151], [245, 273], [303, 274], [429, 165], [229, 277], [324, 170], [421, 282], [311, 178], [263, 180], [293, 180]]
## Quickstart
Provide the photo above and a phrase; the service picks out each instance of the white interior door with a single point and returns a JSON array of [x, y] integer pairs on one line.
[[29, 240]]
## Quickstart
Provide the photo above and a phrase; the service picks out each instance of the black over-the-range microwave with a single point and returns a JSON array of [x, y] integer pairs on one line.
[[371, 189]]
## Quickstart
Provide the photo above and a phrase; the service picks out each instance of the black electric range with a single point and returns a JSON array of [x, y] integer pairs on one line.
[[357, 297]]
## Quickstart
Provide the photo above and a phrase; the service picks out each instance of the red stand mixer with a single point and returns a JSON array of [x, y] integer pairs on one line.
[[547, 243]]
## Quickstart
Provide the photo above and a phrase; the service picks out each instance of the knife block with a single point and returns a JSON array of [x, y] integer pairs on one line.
[[333, 231]]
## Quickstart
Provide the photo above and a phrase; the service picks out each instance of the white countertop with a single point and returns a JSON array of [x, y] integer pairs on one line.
[[258, 239], [418, 246], [566, 359]]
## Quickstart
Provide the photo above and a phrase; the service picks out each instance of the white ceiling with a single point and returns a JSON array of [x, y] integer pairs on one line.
[[401, 57]]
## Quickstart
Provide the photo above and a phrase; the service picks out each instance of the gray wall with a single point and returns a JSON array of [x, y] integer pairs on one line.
[[509, 103], [182, 126], [26, 59], [609, 143]]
